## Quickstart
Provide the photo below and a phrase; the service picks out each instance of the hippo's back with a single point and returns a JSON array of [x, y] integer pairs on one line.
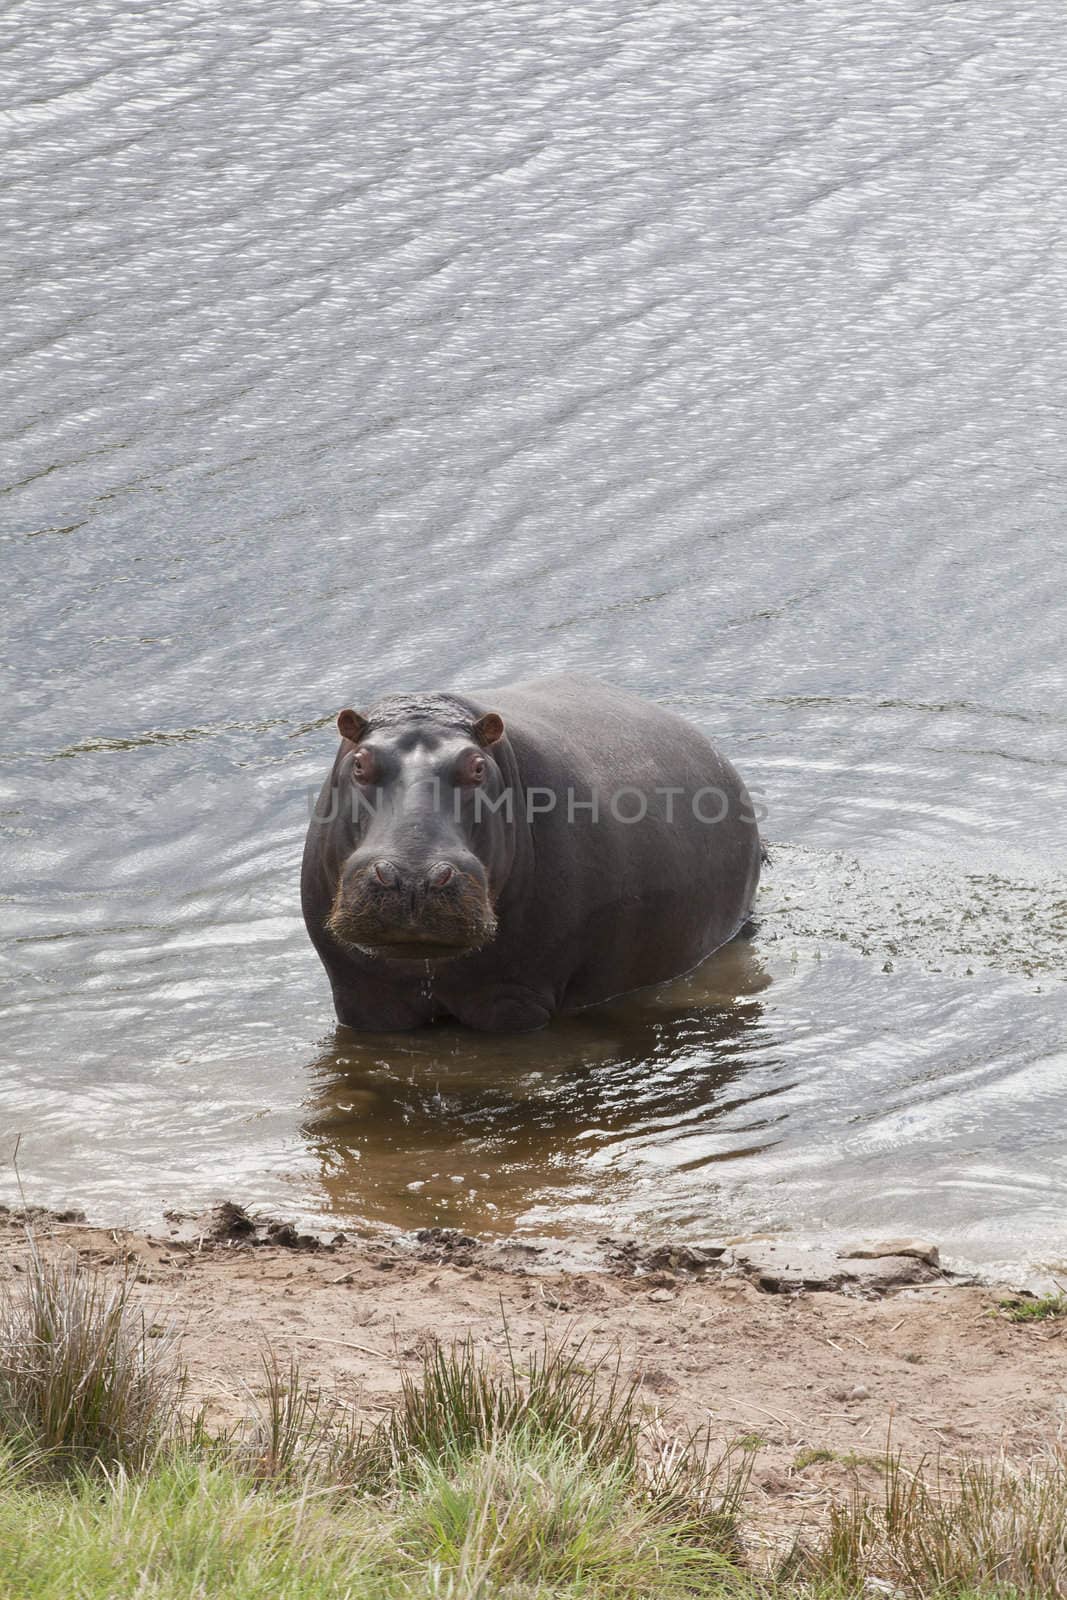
[[603, 734], [646, 846]]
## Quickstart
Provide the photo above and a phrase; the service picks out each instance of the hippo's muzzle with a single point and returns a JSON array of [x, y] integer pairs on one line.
[[433, 911]]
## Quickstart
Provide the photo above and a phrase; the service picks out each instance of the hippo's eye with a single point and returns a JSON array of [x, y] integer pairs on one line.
[[472, 769], [363, 766]]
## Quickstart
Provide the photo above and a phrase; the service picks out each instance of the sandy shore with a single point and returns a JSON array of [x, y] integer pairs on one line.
[[927, 1363]]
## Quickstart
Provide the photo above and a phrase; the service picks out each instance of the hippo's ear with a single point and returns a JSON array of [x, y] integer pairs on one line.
[[488, 729], [350, 725]]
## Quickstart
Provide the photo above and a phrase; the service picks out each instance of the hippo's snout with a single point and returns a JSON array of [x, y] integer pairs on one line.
[[390, 876], [413, 911]]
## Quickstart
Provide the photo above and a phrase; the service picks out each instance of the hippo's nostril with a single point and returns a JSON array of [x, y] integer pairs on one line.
[[386, 873], [440, 875]]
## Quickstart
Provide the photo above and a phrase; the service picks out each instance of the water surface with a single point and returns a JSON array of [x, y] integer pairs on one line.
[[719, 353]]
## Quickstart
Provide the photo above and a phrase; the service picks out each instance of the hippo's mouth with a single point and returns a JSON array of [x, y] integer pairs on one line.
[[459, 926], [411, 949]]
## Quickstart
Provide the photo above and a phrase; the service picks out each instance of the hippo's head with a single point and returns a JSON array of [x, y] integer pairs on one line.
[[424, 842]]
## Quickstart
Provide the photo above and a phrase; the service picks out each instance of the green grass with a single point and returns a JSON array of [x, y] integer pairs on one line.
[[521, 1523], [515, 1521], [1043, 1309], [845, 1458], [812, 1455], [540, 1482]]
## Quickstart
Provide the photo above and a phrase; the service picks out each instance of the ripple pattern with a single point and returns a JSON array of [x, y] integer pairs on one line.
[[719, 352]]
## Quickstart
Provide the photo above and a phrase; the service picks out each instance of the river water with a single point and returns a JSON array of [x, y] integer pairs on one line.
[[718, 352]]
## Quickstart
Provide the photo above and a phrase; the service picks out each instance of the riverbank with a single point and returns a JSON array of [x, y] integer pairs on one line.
[[817, 1383]]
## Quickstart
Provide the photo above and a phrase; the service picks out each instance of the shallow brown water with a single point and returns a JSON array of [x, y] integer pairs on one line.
[[719, 353]]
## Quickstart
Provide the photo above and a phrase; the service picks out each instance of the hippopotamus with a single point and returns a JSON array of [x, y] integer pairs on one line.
[[496, 858]]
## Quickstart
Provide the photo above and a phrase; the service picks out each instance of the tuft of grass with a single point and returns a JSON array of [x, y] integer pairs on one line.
[[541, 1517], [460, 1407], [982, 1529], [459, 1404], [84, 1376], [1043, 1309], [813, 1455]]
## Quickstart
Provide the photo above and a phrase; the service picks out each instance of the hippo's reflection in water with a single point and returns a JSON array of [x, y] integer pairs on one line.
[[482, 1132]]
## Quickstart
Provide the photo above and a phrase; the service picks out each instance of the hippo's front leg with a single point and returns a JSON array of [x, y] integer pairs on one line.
[[383, 1007], [503, 1008]]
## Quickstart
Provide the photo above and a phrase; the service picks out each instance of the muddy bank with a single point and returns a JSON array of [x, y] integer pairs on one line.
[[818, 1379], [776, 1265]]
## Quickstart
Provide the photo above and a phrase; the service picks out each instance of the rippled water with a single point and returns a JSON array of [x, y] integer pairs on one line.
[[720, 353]]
